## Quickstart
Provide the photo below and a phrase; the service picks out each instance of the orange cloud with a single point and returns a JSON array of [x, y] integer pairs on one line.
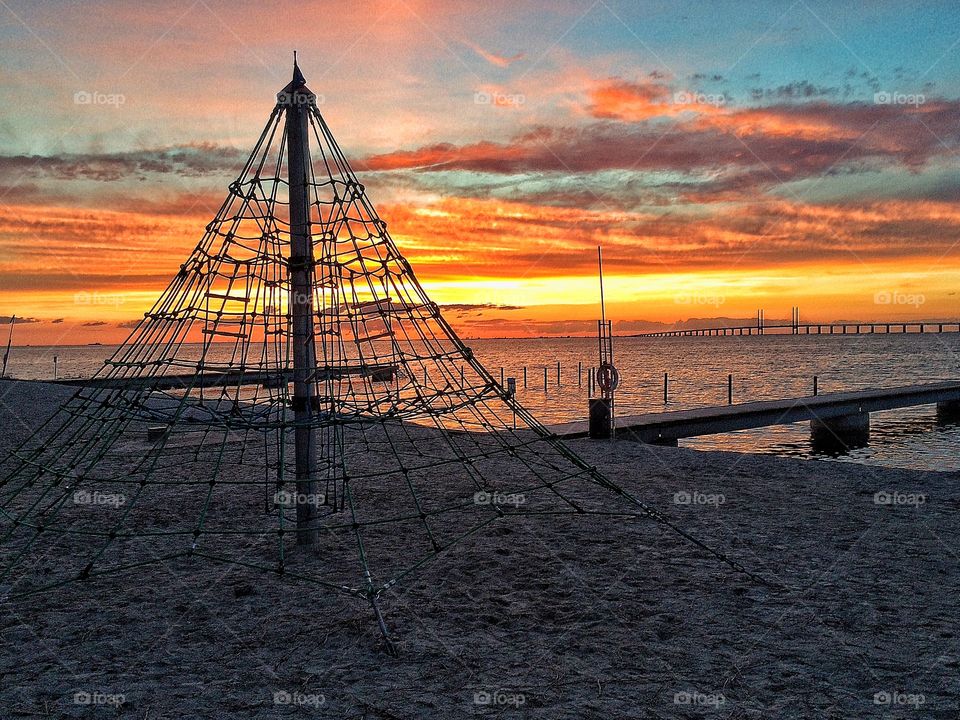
[[500, 61], [617, 99]]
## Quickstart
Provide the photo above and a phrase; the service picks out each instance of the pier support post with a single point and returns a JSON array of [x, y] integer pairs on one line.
[[841, 433], [948, 411], [601, 418]]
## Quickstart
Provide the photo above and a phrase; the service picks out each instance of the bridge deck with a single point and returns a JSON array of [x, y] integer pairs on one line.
[[669, 426], [825, 328]]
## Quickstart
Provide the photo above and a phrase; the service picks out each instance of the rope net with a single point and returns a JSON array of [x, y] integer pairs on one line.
[[184, 444]]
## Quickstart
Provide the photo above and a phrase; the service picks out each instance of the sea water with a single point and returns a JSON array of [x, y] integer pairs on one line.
[[763, 368]]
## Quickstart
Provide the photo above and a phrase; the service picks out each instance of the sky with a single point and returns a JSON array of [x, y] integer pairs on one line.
[[727, 156]]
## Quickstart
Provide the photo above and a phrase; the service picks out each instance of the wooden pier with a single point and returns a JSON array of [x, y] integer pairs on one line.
[[228, 378], [836, 418]]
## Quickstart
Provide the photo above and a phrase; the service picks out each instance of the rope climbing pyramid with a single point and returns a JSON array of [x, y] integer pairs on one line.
[[293, 402]]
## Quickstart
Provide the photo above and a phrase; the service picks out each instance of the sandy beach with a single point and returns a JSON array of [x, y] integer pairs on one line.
[[547, 617]]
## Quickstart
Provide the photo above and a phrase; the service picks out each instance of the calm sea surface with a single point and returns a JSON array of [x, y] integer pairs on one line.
[[763, 368]]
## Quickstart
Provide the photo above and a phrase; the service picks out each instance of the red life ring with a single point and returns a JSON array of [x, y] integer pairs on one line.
[[608, 377]]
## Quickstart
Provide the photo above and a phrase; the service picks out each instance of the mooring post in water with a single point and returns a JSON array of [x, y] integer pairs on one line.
[[815, 388], [664, 388], [524, 377], [558, 373], [512, 393], [730, 389], [544, 378], [580, 373], [297, 99]]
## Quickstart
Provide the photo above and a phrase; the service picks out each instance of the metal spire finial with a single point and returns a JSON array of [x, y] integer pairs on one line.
[[298, 79]]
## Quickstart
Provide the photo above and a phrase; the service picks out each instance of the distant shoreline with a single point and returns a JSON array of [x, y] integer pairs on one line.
[[546, 337]]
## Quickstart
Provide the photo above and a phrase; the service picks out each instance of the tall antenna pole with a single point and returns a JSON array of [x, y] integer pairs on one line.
[[603, 312], [298, 99], [601, 409]]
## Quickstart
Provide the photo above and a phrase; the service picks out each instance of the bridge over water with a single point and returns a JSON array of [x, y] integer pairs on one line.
[[864, 328]]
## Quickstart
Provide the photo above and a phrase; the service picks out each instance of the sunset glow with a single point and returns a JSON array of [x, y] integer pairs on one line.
[[725, 163]]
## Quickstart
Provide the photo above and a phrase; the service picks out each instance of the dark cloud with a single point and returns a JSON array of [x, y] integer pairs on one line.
[[184, 160], [530, 327], [475, 307], [94, 323], [13, 280], [625, 326], [21, 193], [765, 146], [5, 320], [800, 90]]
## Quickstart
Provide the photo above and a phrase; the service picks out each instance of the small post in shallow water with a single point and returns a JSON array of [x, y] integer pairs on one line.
[[730, 389]]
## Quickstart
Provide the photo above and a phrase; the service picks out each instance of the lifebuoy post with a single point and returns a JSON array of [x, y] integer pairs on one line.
[[601, 414]]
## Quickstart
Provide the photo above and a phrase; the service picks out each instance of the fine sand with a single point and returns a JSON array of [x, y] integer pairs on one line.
[[548, 617]]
